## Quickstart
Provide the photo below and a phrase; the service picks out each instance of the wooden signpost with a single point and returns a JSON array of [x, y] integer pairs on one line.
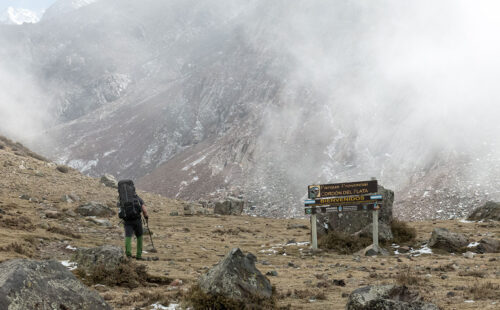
[[343, 197]]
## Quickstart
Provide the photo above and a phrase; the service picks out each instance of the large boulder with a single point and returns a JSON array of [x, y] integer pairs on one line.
[[386, 297], [489, 211], [27, 284], [352, 222], [94, 209], [384, 232], [488, 245], [230, 206], [443, 239], [108, 256], [236, 277], [109, 181]]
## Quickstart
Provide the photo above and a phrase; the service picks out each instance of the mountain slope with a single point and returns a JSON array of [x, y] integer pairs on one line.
[[203, 99]]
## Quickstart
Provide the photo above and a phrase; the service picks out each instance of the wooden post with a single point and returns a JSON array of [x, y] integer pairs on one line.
[[375, 230], [314, 231]]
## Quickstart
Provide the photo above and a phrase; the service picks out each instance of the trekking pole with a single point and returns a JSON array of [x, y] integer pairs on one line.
[[150, 237]]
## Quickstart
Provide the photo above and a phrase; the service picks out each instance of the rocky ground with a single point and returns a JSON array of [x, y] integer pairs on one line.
[[39, 219]]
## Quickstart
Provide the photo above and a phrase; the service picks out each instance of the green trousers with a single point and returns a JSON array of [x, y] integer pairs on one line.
[[128, 247]]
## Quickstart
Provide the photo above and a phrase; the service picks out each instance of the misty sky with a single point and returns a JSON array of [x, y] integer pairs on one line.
[[33, 5]]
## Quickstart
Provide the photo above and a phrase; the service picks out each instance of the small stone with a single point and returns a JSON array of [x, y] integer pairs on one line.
[[492, 259], [272, 273], [24, 197], [469, 254], [176, 282], [444, 277], [340, 282], [265, 263], [450, 294], [345, 295], [174, 213]]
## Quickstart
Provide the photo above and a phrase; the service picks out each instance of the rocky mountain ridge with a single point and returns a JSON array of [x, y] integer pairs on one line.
[[219, 100]]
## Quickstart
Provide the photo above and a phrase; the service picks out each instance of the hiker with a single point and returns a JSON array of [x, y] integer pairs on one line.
[[131, 207]]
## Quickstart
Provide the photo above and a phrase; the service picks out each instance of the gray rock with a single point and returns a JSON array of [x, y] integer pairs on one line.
[[237, 278], [469, 255], [27, 284], [109, 181], [94, 209], [100, 222], [67, 198], [489, 211], [25, 197], [384, 232], [443, 239], [488, 245], [386, 297], [174, 213], [109, 256], [352, 222], [370, 251], [230, 206]]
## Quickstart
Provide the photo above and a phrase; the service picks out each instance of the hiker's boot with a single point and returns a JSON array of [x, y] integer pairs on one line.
[[128, 246], [139, 248]]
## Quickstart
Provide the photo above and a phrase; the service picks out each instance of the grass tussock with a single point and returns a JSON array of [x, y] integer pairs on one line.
[[64, 232], [18, 248], [144, 298], [485, 290], [402, 232], [343, 243], [197, 299], [18, 223], [127, 274], [409, 277], [472, 273]]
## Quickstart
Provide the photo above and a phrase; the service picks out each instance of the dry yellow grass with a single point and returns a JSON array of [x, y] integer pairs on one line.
[[189, 245]]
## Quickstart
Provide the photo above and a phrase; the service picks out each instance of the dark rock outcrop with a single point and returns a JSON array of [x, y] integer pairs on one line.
[[27, 284], [488, 245], [109, 256], [230, 206], [94, 209], [443, 239], [386, 297], [489, 211], [352, 222], [236, 277]]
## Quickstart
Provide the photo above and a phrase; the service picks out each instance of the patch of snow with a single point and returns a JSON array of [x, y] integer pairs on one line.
[[19, 16], [194, 163], [469, 301], [158, 306], [465, 221], [109, 153], [83, 165], [69, 247], [424, 250], [473, 244], [69, 265]]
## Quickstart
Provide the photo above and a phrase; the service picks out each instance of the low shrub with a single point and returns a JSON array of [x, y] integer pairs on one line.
[[343, 243], [485, 290], [64, 232], [408, 276], [402, 232]]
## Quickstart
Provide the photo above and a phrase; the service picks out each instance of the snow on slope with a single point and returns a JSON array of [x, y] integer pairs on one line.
[[19, 16], [61, 7]]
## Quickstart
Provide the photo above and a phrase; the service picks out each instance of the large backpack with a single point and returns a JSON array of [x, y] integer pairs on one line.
[[130, 206]]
